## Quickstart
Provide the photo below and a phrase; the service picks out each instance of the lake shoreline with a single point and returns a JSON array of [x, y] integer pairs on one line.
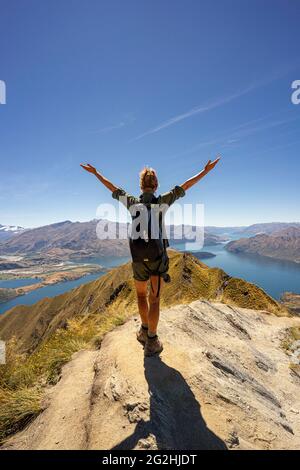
[[285, 260], [73, 273]]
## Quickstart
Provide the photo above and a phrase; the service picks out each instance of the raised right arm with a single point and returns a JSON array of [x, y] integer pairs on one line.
[[108, 184], [194, 179]]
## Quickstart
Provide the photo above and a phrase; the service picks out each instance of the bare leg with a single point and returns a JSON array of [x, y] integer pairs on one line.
[[141, 292], [154, 297]]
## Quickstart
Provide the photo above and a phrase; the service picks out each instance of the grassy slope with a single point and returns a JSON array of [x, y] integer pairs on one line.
[[42, 337], [191, 280]]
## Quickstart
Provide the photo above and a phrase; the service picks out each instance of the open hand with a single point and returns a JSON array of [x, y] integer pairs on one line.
[[89, 168], [210, 165]]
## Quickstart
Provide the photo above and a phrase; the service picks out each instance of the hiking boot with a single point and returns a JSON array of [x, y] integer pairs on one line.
[[153, 346], [141, 335]]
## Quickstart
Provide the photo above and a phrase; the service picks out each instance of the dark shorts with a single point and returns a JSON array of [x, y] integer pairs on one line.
[[143, 270]]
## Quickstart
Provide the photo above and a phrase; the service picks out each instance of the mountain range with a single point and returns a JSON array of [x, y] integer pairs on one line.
[[79, 239], [8, 231], [67, 240], [283, 244], [269, 228], [250, 230]]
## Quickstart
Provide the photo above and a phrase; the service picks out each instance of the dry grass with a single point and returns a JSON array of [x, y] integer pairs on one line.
[[292, 334], [23, 377], [295, 332], [243, 294], [17, 408]]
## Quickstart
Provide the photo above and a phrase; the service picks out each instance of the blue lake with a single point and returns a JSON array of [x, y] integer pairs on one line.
[[60, 288], [47, 291], [274, 276]]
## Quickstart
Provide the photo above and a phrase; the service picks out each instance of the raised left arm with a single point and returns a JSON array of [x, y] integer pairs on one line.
[[194, 179], [91, 169]]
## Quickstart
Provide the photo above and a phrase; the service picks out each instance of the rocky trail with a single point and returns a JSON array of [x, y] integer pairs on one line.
[[222, 381]]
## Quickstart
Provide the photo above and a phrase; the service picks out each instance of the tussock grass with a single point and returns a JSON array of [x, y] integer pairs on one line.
[[17, 408], [295, 332], [23, 378], [243, 294], [292, 334]]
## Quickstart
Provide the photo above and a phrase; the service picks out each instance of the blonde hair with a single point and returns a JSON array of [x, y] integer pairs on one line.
[[148, 179]]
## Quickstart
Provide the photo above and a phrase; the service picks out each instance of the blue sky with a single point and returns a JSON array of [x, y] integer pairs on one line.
[[165, 83]]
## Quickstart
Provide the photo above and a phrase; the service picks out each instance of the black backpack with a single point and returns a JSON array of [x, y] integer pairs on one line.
[[144, 246]]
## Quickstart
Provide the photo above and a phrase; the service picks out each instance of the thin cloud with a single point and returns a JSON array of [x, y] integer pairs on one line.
[[128, 118], [277, 147], [215, 104], [247, 131], [193, 112], [105, 130], [195, 148], [237, 134]]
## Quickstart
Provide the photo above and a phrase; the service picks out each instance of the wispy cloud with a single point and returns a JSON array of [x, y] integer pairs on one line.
[[195, 148], [192, 112], [216, 103], [105, 130], [274, 148], [127, 119], [239, 133], [247, 130]]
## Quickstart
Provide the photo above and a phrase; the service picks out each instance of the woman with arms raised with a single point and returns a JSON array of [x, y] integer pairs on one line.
[[149, 257]]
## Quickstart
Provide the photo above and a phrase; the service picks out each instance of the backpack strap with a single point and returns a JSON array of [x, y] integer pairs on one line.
[[158, 288]]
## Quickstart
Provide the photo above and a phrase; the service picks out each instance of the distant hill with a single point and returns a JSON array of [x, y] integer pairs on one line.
[[9, 231], [283, 244], [254, 229], [268, 228], [114, 291], [68, 239], [79, 239], [62, 240], [225, 231]]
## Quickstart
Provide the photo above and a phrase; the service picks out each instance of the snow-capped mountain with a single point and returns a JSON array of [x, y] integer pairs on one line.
[[8, 231]]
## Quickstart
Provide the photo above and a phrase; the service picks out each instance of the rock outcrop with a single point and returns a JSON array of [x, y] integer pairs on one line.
[[222, 381]]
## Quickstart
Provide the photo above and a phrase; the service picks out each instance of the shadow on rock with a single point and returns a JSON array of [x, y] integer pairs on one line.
[[175, 417]]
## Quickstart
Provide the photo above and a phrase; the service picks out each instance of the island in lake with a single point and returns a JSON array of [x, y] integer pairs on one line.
[[203, 254]]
